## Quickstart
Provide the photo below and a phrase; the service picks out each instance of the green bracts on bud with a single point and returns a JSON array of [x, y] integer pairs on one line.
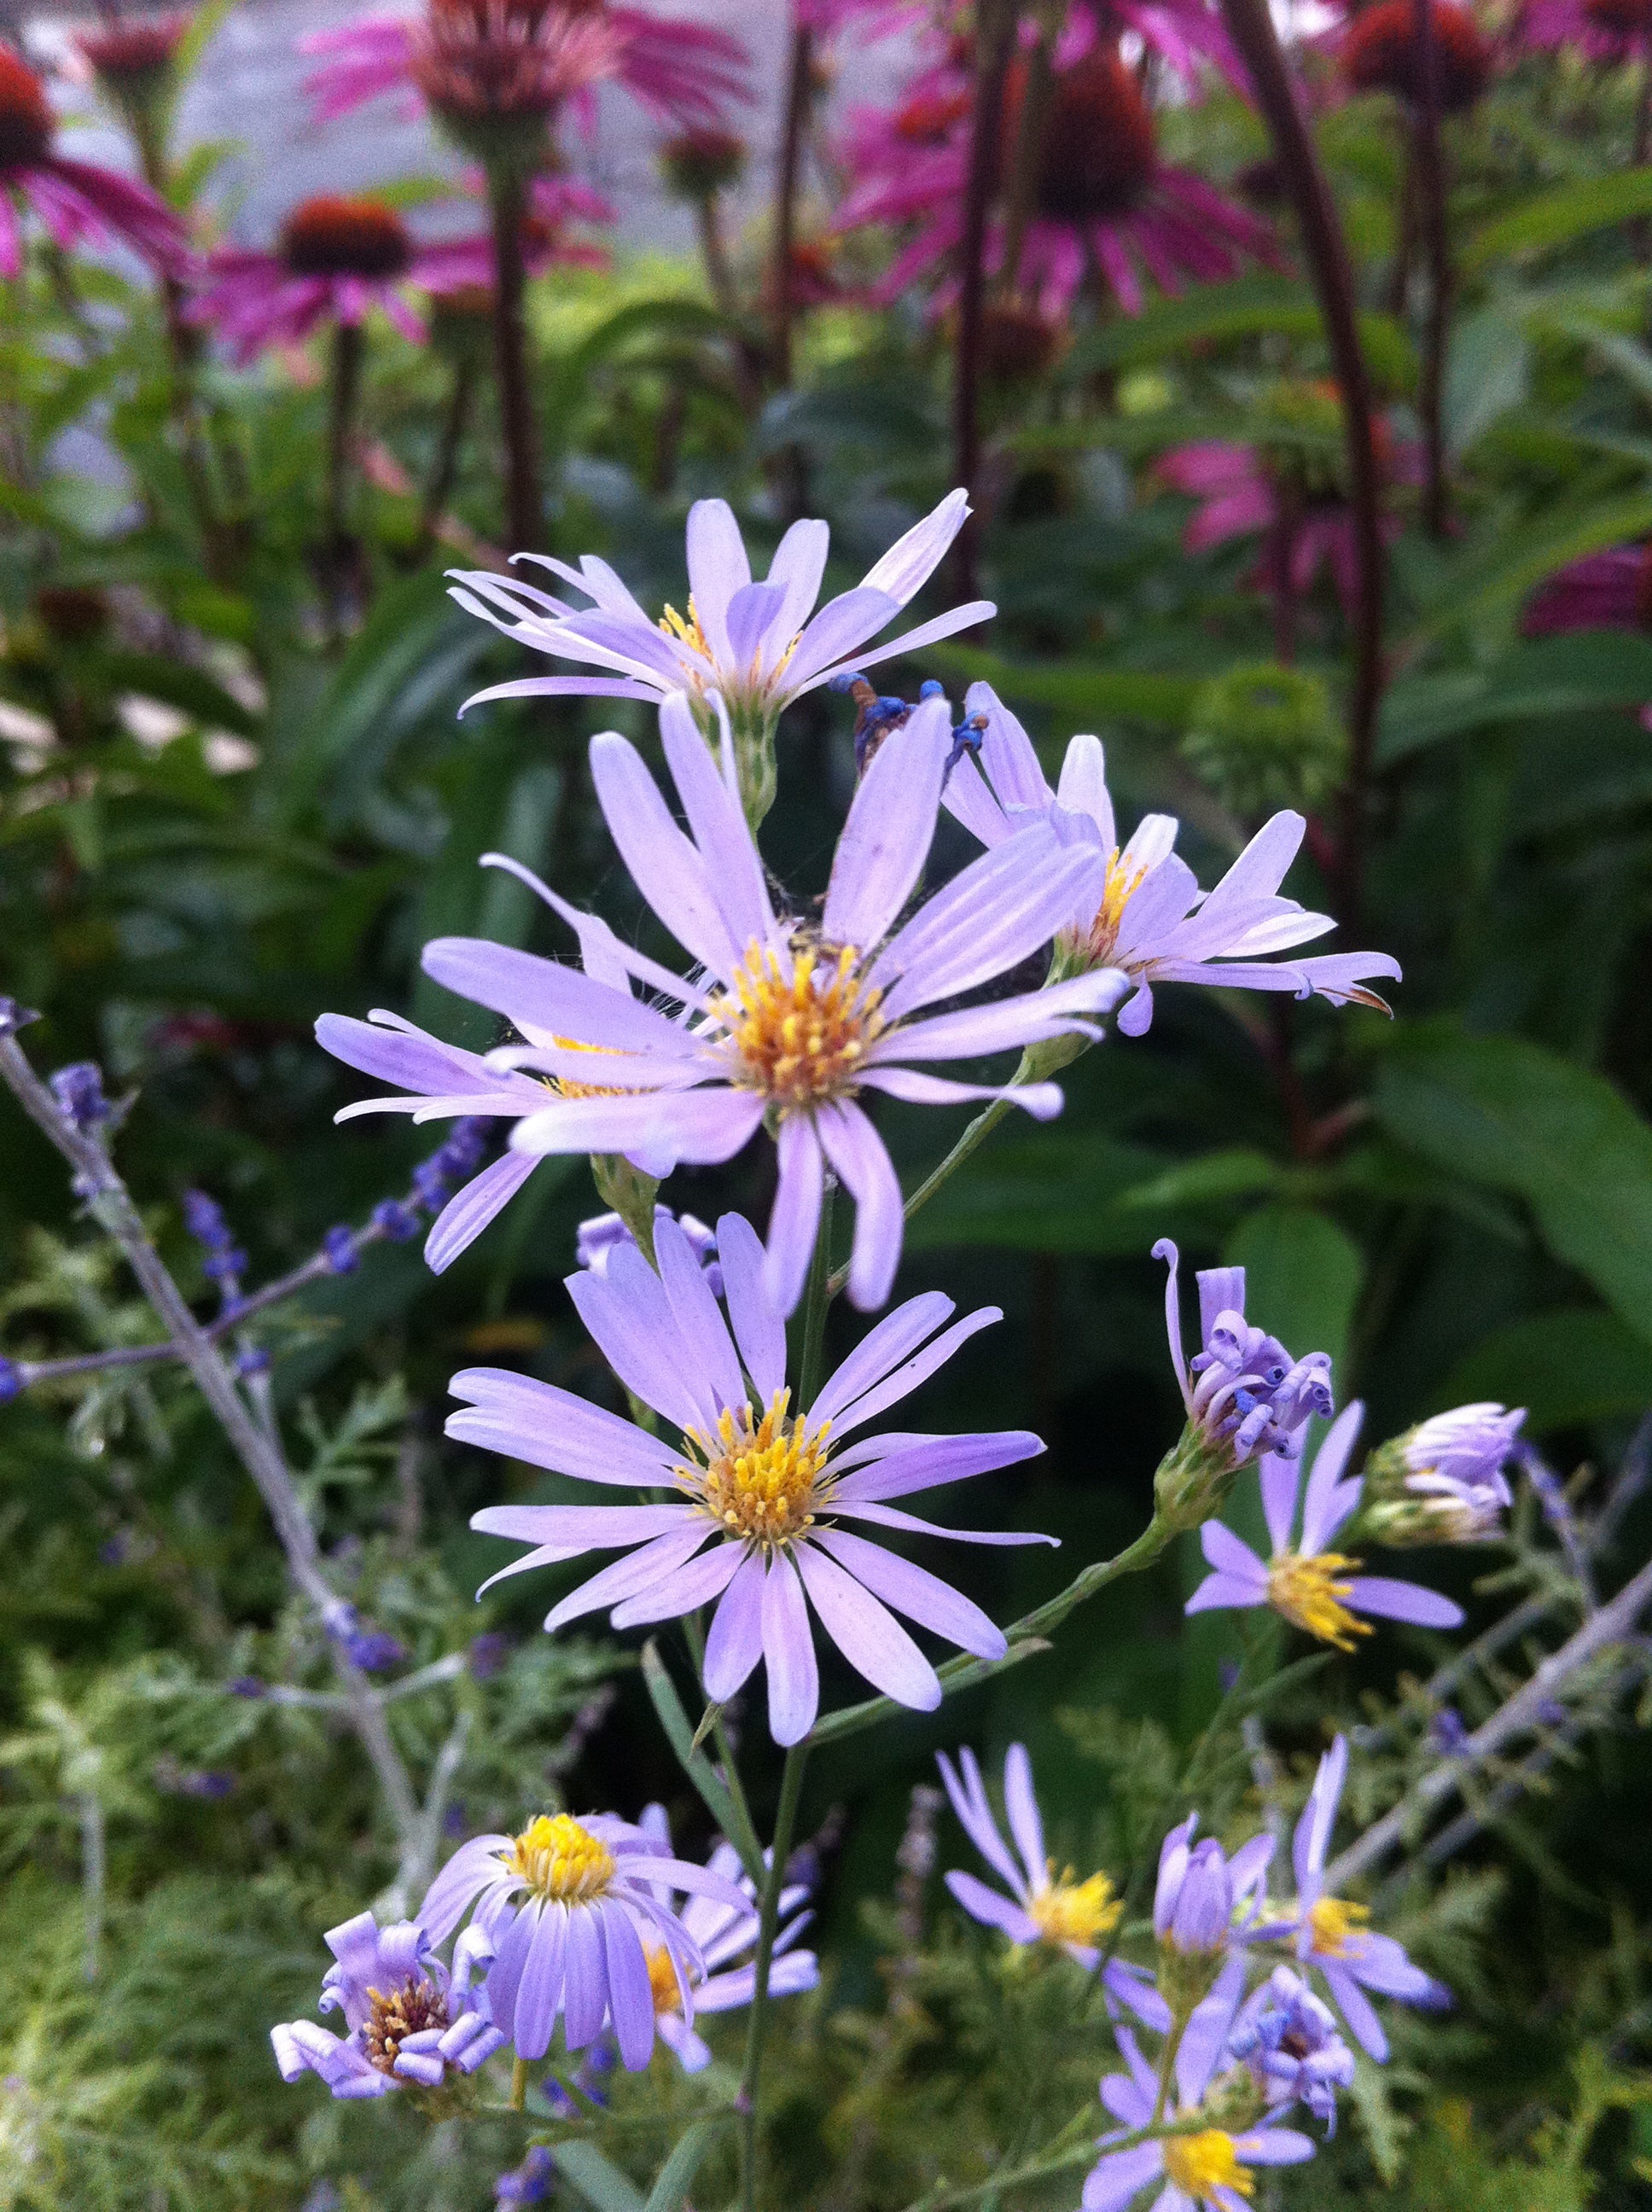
[[1192, 1482], [629, 1194]]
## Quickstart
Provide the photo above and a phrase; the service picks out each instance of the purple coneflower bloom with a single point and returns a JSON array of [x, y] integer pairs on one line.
[[573, 1908], [1243, 1391], [1043, 1907], [1292, 2045], [1151, 920], [721, 1936], [1610, 590], [765, 1487], [1209, 2166], [409, 2019], [75, 200], [1203, 1899], [758, 646], [1307, 1583], [1328, 1934], [789, 1020]]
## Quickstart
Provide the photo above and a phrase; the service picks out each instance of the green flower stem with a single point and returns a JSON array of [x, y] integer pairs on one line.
[[975, 1135], [816, 1298], [785, 1822], [519, 2085]]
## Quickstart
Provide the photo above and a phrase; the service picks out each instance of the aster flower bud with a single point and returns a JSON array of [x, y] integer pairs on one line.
[[1443, 1482], [1200, 1902], [14, 1017]]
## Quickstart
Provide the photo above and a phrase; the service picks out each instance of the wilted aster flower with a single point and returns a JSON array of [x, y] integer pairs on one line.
[[721, 1936], [573, 1909], [596, 1238], [766, 1487], [1245, 1394], [1204, 2167], [1151, 920], [1291, 2042], [1307, 1583], [1328, 1934], [75, 200], [789, 1020], [1443, 1482], [756, 646], [409, 2019], [1043, 1907]]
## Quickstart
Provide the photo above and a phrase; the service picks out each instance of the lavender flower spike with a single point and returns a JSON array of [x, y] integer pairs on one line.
[[1443, 1482], [762, 1493], [1244, 1394], [1305, 1582], [1292, 2043], [1043, 1907], [409, 2019], [1204, 2166], [789, 1021], [573, 1908], [722, 1935], [1151, 920], [757, 647], [1329, 1935]]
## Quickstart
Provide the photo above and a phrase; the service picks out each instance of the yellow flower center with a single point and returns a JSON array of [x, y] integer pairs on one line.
[[799, 1038], [1304, 1588], [558, 1858], [1119, 887], [662, 1982], [760, 1478], [564, 1085], [1200, 2165], [1334, 1925], [686, 633], [1069, 1912]]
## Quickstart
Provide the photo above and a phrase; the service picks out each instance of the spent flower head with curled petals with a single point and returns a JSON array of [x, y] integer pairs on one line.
[[768, 1500], [1315, 1588], [755, 646], [1151, 921], [409, 2020], [1043, 1908], [789, 1020], [1290, 2041], [1443, 1482], [1245, 1394], [573, 1907]]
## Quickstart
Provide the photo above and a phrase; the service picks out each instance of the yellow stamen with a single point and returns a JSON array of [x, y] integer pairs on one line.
[[662, 1981], [565, 1087], [1119, 887], [1200, 2165], [687, 633], [801, 1037], [760, 1478], [1065, 1911], [558, 1858], [1335, 1926], [1304, 1588]]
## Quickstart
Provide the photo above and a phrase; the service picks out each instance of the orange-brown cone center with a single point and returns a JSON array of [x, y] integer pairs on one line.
[[1099, 143], [1381, 54], [25, 123], [331, 236]]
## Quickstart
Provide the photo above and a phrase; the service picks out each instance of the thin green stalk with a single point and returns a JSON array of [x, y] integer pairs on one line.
[[976, 1134], [817, 1299], [519, 2085], [785, 1822]]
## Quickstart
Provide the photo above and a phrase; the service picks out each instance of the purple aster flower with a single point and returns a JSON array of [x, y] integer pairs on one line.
[[790, 1018], [1204, 1899], [722, 1935], [1042, 1906], [599, 1237], [1207, 2166], [1149, 918], [573, 1907], [1305, 1582], [1292, 2043], [1443, 1481], [409, 2019], [755, 646], [1245, 1394], [1329, 1935], [762, 1492]]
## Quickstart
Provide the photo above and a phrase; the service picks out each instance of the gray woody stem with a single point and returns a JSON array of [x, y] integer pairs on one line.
[[112, 1205], [1522, 1713]]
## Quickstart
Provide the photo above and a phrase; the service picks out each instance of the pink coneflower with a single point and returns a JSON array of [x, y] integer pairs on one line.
[[75, 200], [680, 72], [1105, 204], [1611, 590], [469, 264], [1377, 53], [1611, 31]]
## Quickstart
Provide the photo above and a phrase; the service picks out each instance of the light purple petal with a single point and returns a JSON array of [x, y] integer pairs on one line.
[[585, 1998], [628, 1314], [751, 611], [913, 1590], [1229, 1555], [909, 640], [470, 1210], [759, 1326], [1357, 2010], [1041, 1100], [471, 1868], [881, 1349], [913, 559], [993, 1910], [539, 1991], [682, 1590], [853, 1413], [969, 1802], [627, 1576], [1313, 1833], [671, 875], [1226, 1593], [938, 1460], [1205, 2037], [698, 1317], [891, 825], [797, 566], [867, 1633], [551, 997], [718, 567], [735, 1643], [794, 1218], [733, 869], [1320, 1518], [702, 1128], [1281, 1478], [1275, 2146], [1396, 1601], [789, 1655], [1074, 1007], [630, 1995], [549, 1427], [1109, 2186], [839, 630], [1021, 1806], [892, 1516], [857, 1151], [991, 916]]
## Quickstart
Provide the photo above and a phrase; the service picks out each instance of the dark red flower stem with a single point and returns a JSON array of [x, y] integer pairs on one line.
[[524, 509], [994, 44], [444, 472], [1640, 151], [344, 400], [1250, 26], [787, 180], [1428, 165]]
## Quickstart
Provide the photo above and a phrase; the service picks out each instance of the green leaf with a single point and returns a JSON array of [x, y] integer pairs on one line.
[[1084, 695], [714, 1792], [676, 2178], [1556, 217], [1507, 1113], [1488, 371], [175, 684], [1534, 681], [598, 2179], [1243, 308], [1507, 561], [1063, 1190], [1577, 1365], [1303, 1276]]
